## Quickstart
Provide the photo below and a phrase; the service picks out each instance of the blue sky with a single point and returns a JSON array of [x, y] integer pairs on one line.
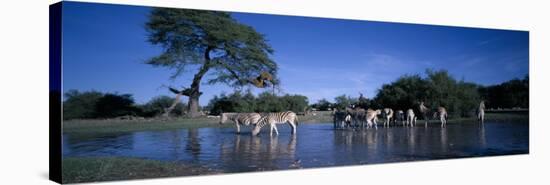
[[104, 47]]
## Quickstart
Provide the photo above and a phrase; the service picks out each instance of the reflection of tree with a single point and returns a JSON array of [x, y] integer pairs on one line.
[[193, 143]]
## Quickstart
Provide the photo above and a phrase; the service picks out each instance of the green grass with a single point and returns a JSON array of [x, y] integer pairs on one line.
[[109, 126], [91, 169], [489, 117]]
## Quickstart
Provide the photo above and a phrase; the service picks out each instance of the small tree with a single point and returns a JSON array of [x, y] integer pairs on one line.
[[322, 105], [80, 105], [113, 105], [343, 101], [235, 53]]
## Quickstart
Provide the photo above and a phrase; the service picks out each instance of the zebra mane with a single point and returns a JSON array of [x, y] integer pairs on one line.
[[263, 121]]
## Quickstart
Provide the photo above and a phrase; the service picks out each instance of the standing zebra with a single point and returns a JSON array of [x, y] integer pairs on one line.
[[245, 119], [399, 117], [276, 118], [411, 118], [358, 116], [481, 112], [424, 111], [442, 113], [372, 118], [388, 114], [341, 119]]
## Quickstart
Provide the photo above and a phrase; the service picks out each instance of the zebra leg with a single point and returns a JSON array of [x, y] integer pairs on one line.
[[275, 127], [293, 127], [238, 127], [369, 124]]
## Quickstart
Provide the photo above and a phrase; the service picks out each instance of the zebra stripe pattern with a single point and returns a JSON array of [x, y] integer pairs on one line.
[[240, 119], [272, 119]]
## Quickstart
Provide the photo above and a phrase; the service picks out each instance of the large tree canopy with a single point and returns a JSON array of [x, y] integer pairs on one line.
[[234, 53]]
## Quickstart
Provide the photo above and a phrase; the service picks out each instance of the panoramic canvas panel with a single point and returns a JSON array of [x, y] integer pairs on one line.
[[144, 92]]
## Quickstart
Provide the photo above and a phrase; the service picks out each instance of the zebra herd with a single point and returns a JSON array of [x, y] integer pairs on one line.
[[350, 118], [357, 117], [259, 120]]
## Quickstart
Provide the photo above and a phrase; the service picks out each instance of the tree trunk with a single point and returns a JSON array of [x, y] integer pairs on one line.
[[193, 106], [194, 94], [168, 110]]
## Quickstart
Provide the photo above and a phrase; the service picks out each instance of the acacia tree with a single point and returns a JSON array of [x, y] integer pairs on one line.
[[234, 53]]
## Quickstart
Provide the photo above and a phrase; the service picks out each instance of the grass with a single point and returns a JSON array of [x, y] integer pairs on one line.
[[493, 117], [110, 126], [92, 169]]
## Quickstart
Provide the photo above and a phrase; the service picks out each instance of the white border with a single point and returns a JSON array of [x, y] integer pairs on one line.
[[24, 108]]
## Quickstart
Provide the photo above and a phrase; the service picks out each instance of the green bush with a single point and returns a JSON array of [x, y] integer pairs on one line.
[[80, 105], [264, 102], [157, 106]]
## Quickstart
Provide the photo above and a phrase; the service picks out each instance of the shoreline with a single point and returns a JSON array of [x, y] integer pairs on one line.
[[113, 126]]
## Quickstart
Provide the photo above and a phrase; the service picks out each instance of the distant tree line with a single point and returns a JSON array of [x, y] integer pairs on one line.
[[95, 104], [438, 88], [98, 105], [510, 94], [239, 101]]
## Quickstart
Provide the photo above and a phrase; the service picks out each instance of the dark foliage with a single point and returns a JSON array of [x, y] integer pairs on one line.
[[264, 102]]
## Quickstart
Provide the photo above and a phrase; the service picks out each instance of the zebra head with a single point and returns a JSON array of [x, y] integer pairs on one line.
[[261, 122], [256, 130]]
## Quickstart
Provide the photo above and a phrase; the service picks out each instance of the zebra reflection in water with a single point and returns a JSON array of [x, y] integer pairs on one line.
[[250, 153]]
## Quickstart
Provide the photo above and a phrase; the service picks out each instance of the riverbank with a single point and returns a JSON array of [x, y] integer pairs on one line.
[[110, 126], [93, 169]]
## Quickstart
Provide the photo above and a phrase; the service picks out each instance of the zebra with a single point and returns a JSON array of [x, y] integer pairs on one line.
[[357, 116], [372, 118], [245, 119], [411, 118], [481, 112], [424, 111], [276, 118], [341, 119], [399, 117], [388, 114], [442, 114]]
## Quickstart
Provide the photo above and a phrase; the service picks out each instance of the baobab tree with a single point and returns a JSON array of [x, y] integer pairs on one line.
[[230, 52]]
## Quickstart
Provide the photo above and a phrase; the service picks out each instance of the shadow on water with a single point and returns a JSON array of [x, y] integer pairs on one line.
[[315, 145]]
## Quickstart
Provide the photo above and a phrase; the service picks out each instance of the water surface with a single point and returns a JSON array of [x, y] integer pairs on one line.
[[315, 145]]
